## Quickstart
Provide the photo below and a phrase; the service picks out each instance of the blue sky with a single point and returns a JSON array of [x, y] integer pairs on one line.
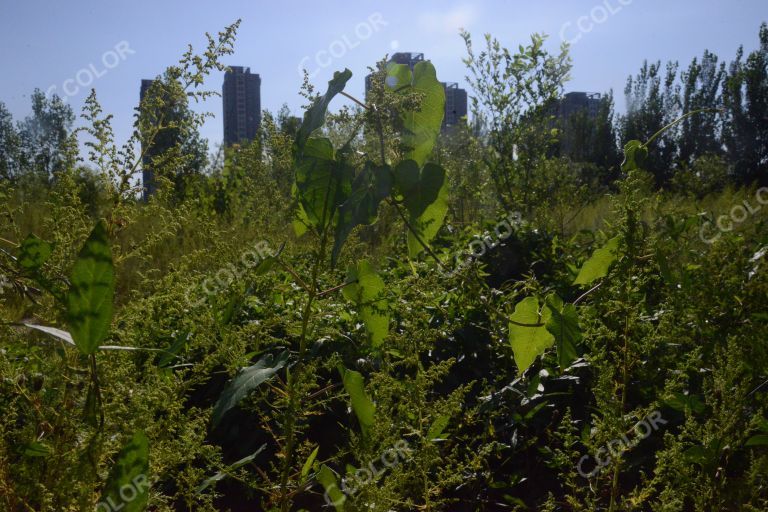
[[48, 44]]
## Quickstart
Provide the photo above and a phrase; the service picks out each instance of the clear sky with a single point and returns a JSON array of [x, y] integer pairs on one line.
[[60, 45]]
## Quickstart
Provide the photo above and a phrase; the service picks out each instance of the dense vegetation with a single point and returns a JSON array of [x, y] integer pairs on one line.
[[361, 313]]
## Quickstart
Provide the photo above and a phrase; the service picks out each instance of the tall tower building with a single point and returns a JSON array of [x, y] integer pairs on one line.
[[455, 105], [241, 97]]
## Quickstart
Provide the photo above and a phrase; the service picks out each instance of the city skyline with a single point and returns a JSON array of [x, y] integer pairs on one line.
[[72, 50]]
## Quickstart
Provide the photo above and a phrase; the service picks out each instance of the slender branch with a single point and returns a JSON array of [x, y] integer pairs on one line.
[[339, 287], [584, 295], [366, 107]]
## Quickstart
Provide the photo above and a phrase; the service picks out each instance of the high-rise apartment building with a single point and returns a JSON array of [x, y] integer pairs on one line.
[[241, 97], [455, 105]]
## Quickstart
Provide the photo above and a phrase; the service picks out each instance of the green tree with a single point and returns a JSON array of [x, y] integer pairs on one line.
[[745, 97], [9, 145], [45, 138], [653, 101], [593, 140], [513, 98], [171, 144], [702, 82]]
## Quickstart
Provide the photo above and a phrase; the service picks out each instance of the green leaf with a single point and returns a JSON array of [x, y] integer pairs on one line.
[[366, 290], [370, 187], [33, 253], [563, 324], [682, 402], [36, 449], [308, 463], [425, 195], [314, 117], [322, 182], [438, 426], [327, 479], [758, 440], [421, 126], [92, 290], [597, 266], [529, 342], [246, 381], [221, 475], [361, 404], [635, 155], [130, 471]]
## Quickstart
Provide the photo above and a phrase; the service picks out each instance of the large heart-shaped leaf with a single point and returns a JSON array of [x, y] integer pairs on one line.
[[246, 381], [528, 333], [322, 182], [421, 126], [92, 290], [127, 487], [563, 324], [366, 290], [370, 187], [424, 191]]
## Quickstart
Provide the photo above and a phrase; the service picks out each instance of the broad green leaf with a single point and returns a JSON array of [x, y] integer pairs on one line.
[[528, 343], [598, 264], [92, 290], [327, 479], [419, 188], [308, 463], [127, 487], [367, 292], [33, 253], [361, 404], [246, 381], [322, 182], [371, 186], [563, 324], [425, 195], [314, 117], [421, 126], [438, 426], [635, 155], [221, 475]]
